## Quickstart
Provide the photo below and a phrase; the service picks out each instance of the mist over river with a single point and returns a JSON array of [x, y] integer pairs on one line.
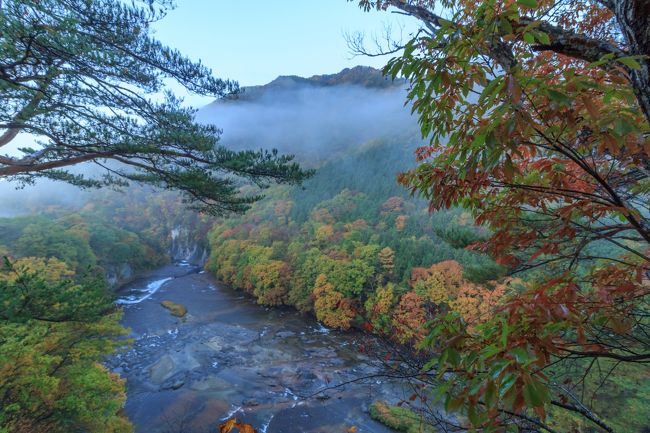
[[229, 357]]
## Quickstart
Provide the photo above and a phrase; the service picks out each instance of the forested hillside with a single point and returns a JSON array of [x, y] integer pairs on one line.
[[473, 219], [348, 234], [112, 235]]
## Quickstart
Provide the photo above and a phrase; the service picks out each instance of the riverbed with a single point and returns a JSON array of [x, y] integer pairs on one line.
[[229, 357]]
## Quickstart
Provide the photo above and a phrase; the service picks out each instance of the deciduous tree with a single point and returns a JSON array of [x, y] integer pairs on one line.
[[409, 318], [54, 337], [330, 306], [387, 259], [538, 117]]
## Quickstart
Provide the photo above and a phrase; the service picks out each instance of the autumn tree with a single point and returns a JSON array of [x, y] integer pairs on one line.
[[54, 335], [330, 306], [50, 269], [393, 205], [379, 307], [83, 78], [409, 318], [476, 303], [537, 113], [400, 222], [271, 278], [387, 260], [438, 283]]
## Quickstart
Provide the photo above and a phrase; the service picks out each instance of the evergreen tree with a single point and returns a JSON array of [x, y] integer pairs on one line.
[[84, 77]]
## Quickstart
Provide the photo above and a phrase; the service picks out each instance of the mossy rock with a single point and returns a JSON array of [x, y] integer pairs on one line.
[[399, 418], [177, 310]]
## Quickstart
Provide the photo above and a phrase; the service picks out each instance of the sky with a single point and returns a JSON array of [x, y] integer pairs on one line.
[[255, 41]]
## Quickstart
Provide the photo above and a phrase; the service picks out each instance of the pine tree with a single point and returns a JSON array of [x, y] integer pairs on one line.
[[84, 78]]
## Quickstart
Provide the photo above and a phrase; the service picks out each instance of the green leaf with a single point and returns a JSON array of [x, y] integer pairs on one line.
[[528, 37], [472, 415], [531, 4], [520, 354], [630, 62], [453, 403], [441, 390], [490, 351], [535, 393], [543, 38], [498, 367], [453, 356], [505, 26], [508, 381], [492, 88], [558, 97], [490, 393], [623, 127]]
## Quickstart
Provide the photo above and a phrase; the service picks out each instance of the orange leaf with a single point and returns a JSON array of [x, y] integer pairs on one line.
[[245, 428], [591, 107], [227, 426], [352, 429]]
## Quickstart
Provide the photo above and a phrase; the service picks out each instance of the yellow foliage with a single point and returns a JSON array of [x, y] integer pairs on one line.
[[233, 423], [440, 282], [476, 303], [50, 269], [331, 307], [384, 299], [270, 282], [400, 223], [324, 232]]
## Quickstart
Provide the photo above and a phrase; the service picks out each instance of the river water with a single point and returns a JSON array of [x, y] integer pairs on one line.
[[229, 357]]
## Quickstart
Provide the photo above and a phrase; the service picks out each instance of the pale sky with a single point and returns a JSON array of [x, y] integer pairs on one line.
[[253, 42]]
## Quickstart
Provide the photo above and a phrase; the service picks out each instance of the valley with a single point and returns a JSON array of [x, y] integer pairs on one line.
[[455, 242]]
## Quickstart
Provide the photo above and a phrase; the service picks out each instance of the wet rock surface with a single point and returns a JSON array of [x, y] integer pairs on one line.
[[230, 357]]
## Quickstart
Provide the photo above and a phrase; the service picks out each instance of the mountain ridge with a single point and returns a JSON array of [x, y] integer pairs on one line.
[[361, 76]]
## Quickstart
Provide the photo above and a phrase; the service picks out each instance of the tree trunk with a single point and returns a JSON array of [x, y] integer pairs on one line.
[[633, 17]]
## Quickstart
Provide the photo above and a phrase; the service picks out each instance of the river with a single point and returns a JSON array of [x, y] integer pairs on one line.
[[229, 357]]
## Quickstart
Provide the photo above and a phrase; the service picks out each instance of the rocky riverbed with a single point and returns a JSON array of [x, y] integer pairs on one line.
[[229, 357]]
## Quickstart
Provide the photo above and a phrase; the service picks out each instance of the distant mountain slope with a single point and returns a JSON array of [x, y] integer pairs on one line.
[[315, 118], [371, 169], [363, 76]]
